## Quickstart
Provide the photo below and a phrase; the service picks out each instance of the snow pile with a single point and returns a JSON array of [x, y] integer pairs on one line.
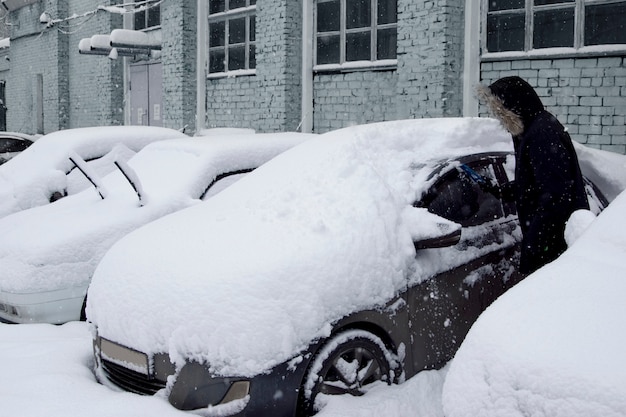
[[605, 169], [48, 371], [29, 179], [315, 234], [578, 222], [553, 345], [420, 396]]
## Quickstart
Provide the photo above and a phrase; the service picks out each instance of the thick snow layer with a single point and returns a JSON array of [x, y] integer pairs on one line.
[[554, 344], [279, 256], [48, 371], [40, 362], [29, 179], [58, 246], [557, 351], [133, 39], [606, 169]]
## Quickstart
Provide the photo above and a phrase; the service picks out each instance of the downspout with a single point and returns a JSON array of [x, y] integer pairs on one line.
[[201, 66], [471, 70], [306, 120], [126, 24]]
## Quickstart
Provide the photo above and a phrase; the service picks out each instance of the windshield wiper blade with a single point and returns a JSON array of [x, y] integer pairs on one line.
[[90, 174], [132, 178]]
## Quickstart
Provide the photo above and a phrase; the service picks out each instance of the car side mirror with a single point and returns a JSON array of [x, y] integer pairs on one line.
[[442, 241], [429, 230]]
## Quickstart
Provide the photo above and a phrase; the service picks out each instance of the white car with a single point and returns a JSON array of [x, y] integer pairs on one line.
[[48, 253], [43, 173]]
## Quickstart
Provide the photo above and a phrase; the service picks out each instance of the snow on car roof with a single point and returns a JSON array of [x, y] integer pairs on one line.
[[58, 245], [28, 179], [606, 169], [249, 278]]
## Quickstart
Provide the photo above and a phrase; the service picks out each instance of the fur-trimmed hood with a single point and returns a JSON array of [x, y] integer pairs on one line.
[[512, 101]]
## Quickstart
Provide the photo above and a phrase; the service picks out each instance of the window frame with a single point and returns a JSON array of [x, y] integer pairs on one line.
[[146, 17], [529, 9], [12, 145], [348, 66], [248, 12]]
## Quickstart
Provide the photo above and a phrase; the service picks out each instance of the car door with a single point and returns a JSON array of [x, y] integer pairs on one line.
[[470, 275]]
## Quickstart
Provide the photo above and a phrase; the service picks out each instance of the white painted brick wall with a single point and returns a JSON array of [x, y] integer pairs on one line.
[[587, 94]]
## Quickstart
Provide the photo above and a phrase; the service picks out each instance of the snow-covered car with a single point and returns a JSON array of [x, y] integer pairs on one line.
[[364, 256], [554, 345], [43, 173], [48, 253], [12, 143]]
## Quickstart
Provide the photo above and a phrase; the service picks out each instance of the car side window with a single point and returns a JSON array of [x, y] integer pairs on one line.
[[12, 145], [459, 198]]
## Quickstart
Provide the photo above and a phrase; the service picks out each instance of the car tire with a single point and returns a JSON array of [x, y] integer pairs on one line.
[[348, 363]]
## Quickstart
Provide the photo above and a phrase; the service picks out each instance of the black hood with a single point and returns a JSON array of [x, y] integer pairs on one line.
[[518, 96]]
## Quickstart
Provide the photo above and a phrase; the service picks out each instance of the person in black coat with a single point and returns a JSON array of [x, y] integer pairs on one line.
[[548, 185]]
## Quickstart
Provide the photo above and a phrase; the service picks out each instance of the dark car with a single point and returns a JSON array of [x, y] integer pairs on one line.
[[376, 296], [12, 143]]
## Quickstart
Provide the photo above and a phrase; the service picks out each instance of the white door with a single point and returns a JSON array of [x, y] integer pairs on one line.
[[146, 94]]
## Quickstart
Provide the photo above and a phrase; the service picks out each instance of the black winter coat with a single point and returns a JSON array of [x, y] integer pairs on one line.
[[548, 184]]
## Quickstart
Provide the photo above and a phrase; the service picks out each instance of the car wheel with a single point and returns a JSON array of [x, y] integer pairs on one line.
[[349, 363]]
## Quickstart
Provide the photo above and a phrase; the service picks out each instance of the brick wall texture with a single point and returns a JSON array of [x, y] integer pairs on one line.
[[270, 99], [77, 90], [587, 93], [179, 42]]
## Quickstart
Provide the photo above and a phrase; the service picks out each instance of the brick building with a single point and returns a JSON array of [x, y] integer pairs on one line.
[[311, 65]]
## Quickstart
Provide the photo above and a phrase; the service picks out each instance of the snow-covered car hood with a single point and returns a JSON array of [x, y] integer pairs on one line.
[[28, 179], [58, 245], [249, 278]]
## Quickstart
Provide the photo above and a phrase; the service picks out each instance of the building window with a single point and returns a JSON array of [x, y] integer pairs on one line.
[[355, 30], [232, 35], [148, 16], [522, 25]]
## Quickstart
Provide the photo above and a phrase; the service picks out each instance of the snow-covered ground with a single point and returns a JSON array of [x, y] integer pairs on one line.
[[47, 371]]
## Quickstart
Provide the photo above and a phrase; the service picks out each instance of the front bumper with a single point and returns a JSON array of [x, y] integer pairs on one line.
[[55, 307], [195, 387]]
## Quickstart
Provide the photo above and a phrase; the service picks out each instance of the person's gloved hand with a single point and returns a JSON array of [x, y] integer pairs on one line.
[[489, 186], [486, 184]]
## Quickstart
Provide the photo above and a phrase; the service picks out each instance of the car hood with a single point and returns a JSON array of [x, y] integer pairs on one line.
[[58, 246], [249, 278]]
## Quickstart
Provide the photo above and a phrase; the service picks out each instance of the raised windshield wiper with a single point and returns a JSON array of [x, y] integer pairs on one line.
[[132, 178], [90, 174]]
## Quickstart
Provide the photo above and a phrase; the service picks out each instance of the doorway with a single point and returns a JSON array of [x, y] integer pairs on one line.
[[146, 94]]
